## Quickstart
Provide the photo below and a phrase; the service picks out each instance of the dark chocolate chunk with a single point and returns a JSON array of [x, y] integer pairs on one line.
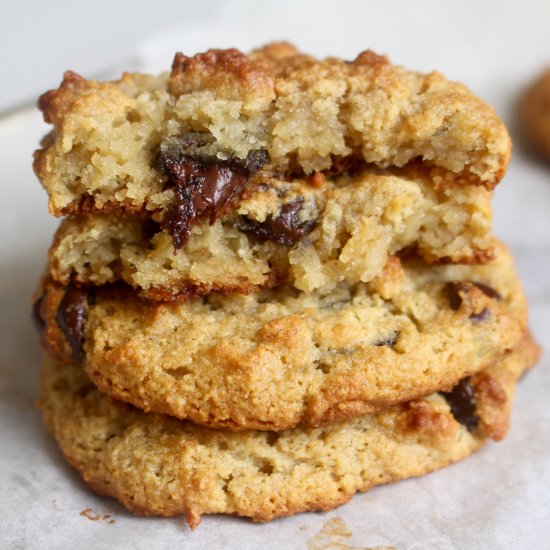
[[483, 315], [462, 401], [456, 288], [488, 291], [454, 291], [149, 228], [70, 319], [206, 187], [390, 341], [285, 229], [37, 319], [180, 215], [255, 160]]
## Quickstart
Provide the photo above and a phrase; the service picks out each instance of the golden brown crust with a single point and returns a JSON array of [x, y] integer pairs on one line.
[[494, 390], [280, 358], [230, 73], [276, 51], [156, 465], [54, 104], [490, 397], [423, 418], [478, 256], [187, 291], [371, 59]]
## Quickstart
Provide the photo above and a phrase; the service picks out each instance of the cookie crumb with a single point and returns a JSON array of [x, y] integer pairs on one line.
[[94, 515]]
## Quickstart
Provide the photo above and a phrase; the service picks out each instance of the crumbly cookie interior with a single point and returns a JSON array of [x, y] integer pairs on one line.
[[356, 223]]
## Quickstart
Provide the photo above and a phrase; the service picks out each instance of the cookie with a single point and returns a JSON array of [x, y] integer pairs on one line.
[[310, 237], [186, 148], [157, 465], [535, 113], [280, 358]]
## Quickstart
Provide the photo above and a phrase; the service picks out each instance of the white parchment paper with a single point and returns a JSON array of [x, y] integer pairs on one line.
[[498, 498]]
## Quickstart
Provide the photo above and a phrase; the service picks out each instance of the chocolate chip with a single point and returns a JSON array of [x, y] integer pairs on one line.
[[179, 216], [255, 160], [37, 319], [390, 341], [70, 319], [454, 291], [206, 187], [483, 315], [488, 291], [285, 229], [462, 401]]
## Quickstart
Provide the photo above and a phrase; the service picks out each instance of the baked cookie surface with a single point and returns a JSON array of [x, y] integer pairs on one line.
[[312, 237], [157, 465], [188, 146], [281, 358], [535, 112]]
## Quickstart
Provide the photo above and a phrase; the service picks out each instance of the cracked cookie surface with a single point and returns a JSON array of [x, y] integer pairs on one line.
[[280, 358], [157, 465]]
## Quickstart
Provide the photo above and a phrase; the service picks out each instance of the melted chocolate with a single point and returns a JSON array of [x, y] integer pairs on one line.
[[205, 186], [483, 315], [70, 319], [488, 291], [462, 401], [454, 291], [285, 229]]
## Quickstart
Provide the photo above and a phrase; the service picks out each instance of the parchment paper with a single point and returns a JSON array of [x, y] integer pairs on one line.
[[498, 498]]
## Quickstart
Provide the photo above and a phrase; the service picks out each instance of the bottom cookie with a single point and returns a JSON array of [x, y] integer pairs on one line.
[[157, 465]]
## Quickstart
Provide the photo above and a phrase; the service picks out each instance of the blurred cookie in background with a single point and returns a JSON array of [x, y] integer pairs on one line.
[[535, 113]]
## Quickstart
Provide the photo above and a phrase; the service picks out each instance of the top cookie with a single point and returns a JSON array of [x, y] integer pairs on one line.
[[223, 121]]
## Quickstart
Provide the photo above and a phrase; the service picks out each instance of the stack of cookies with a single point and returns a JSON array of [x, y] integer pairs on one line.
[[275, 282]]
